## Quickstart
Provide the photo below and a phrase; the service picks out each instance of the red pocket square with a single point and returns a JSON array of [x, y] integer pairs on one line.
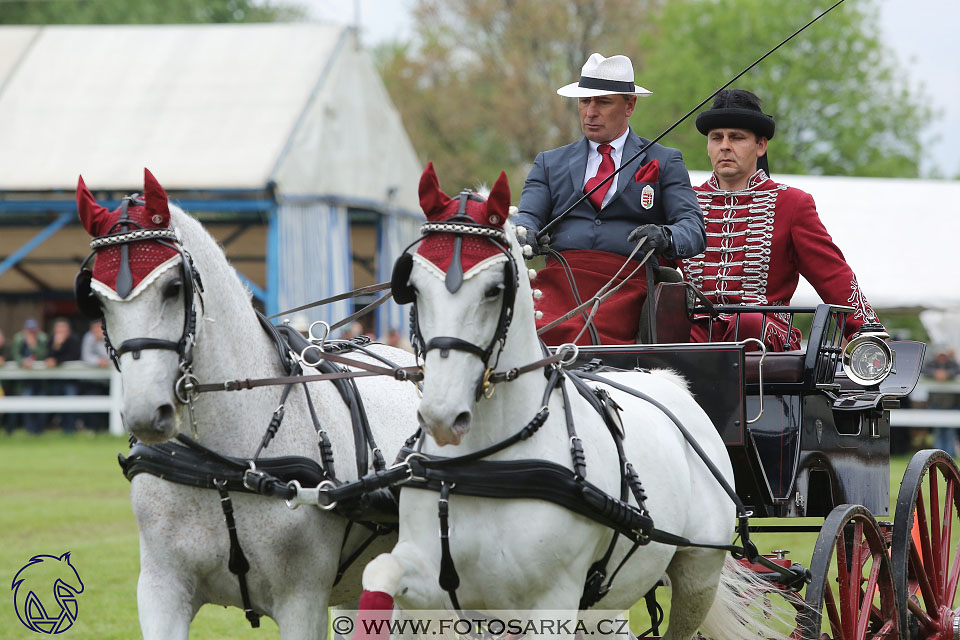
[[649, 172]]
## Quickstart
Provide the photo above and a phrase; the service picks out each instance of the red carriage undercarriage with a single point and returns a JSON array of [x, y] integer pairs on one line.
[[811, 438]]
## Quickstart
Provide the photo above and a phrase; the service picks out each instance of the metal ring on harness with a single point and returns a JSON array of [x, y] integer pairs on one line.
[[185, 389], [303, 355], [323, 486], [572, 349], [763, 354], [326, 331]]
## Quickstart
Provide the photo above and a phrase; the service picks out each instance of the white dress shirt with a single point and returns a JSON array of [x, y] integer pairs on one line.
[[593, 163]]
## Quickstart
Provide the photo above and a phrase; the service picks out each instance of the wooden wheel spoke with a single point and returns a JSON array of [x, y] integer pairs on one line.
[[866, 602], [930, 601], [925, 620], [926, 554], [848, 577], [833, 616], [945, 542], [936, 551], [885, 632]]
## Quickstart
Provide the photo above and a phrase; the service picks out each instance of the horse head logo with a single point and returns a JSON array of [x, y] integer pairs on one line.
[[45, 593]]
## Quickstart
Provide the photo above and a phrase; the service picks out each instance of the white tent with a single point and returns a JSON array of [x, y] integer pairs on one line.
[[899, 236], [293, 111]]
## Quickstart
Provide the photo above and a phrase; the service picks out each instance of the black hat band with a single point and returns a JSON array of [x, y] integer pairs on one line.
[[586, 82]]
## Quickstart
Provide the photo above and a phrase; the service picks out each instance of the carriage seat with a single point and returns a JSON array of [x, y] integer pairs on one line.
[[673, 326], [782, 367]]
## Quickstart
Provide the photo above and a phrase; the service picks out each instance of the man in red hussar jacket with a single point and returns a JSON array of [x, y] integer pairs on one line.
[[761, 235]]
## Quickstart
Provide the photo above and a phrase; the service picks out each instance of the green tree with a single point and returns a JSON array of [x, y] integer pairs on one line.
[[476, 87], [841, 105], [143, 11]]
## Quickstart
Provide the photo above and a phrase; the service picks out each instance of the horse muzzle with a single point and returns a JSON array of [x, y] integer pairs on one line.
[[443, 430], [152, 427]]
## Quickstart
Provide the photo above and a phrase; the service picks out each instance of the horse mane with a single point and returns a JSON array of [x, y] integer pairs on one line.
[[209, 256]]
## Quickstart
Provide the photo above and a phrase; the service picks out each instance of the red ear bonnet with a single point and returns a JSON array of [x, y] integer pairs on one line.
[[498, 203], [432, 199], [92, 215], [438, 248], [144, 256], [156, 198]]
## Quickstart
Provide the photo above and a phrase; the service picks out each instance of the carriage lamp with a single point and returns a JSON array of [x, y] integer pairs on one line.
[[867, 359]]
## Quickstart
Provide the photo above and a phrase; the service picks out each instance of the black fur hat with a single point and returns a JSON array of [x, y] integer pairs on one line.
[[736, 109]]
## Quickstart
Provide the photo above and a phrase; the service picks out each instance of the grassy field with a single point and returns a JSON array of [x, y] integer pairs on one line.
[[63, 493]]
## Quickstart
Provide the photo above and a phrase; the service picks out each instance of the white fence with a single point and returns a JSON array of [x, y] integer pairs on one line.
[[111, 403], [65, 404]]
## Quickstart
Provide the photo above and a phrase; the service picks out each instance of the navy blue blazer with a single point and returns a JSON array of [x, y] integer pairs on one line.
[[556, 181]]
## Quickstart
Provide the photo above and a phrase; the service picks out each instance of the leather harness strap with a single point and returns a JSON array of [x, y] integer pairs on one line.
[[238, 564]]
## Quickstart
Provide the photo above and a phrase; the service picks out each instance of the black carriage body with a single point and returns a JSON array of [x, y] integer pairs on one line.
[[820, 441]]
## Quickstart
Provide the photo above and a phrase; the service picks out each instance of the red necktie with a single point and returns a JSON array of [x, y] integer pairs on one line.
[[606, 168]]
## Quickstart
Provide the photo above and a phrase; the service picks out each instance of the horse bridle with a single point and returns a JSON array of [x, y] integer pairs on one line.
[[120, 234], [461, 224]]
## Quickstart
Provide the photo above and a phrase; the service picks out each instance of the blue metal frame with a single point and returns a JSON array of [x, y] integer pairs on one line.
[[272, 300], [36, 241]]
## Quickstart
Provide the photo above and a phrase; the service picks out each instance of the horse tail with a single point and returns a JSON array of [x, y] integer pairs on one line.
[[748, 606], [672, 376]]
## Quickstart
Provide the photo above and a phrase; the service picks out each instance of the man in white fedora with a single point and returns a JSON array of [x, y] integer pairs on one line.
[[650, 198]]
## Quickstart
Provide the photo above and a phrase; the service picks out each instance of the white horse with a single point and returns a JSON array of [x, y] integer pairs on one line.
[[515, 554], [184, 545]]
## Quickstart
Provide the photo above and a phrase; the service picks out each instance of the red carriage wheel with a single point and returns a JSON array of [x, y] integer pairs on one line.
[[851, 595], [925, 558]]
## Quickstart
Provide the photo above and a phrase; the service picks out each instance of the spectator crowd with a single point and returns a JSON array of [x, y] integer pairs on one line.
[[33, 348]]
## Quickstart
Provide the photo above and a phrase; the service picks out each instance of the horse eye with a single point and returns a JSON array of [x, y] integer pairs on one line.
[[493, 291], [172, 289]]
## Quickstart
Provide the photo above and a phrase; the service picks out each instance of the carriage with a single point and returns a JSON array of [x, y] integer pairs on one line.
[[807, 433]]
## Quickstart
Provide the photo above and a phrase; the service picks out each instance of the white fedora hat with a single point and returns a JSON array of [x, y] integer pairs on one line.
[[604, 76]]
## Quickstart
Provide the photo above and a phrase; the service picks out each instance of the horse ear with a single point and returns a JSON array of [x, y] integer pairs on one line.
[[65, 557], [498, 202], [432, 199], [158, 211], [91, 213]]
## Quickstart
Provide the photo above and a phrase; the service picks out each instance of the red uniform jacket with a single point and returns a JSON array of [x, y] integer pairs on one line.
[[759, 242]]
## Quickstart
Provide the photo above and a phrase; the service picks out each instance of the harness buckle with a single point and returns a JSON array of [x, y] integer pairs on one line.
[[406, 463], [252, 477]]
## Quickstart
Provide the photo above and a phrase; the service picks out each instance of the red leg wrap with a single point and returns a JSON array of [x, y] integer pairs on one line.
[[373, 616]]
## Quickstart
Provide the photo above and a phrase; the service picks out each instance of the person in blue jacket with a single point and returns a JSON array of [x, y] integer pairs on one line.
[[650, 200]]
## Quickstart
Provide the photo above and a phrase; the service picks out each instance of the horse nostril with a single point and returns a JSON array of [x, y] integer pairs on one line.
[[163, 420], [462, 423]]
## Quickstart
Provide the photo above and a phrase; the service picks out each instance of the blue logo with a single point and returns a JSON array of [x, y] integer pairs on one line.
[[45, 594]]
